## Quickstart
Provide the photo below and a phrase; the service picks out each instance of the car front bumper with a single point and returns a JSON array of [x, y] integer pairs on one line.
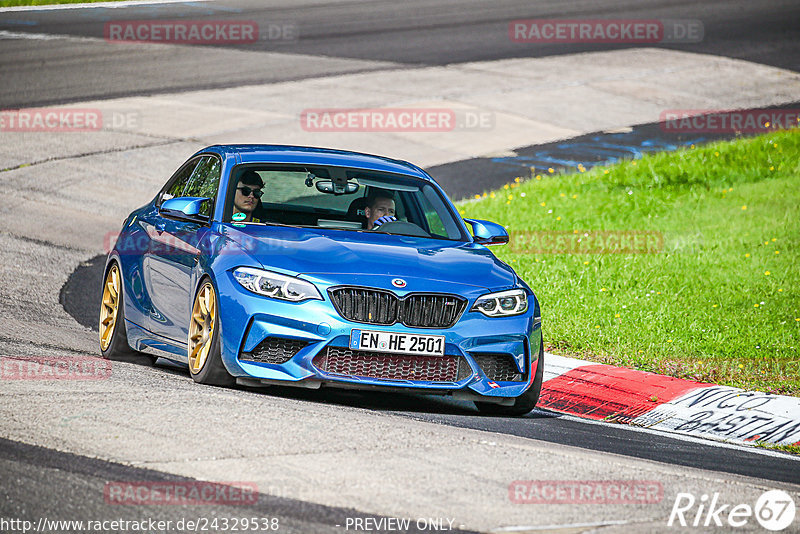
[[308, 332]]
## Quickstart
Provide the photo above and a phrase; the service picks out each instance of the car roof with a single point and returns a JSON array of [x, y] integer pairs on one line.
[[246, 153]]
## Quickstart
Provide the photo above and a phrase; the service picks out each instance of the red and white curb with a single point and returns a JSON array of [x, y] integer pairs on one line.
[[604, 392]]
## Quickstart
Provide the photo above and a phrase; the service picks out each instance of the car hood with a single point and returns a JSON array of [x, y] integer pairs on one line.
[[350, 257]]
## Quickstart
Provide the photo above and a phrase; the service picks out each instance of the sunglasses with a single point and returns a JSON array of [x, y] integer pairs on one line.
[[246, 191]]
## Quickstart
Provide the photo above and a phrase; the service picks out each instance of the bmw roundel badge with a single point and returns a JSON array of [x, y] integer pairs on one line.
[[398, 282]]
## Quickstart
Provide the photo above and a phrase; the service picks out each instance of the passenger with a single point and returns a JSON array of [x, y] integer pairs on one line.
[[380, 209], [248, 196]]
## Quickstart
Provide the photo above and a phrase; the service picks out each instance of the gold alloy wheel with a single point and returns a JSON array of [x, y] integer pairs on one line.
[[201, 327], [110, 307]]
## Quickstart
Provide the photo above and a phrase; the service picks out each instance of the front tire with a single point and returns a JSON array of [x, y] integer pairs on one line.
[[525, 402], [113, 335], [205, 355]]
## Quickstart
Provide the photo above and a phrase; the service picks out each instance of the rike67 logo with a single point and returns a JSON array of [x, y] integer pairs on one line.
[[774, 510]]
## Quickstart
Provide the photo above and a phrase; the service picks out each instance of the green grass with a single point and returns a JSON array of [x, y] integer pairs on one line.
[[14, 3], [719, 303], [792, 449]]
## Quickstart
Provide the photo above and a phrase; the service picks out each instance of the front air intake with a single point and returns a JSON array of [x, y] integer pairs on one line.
[[356, 363], [499, 367], [275, 350]]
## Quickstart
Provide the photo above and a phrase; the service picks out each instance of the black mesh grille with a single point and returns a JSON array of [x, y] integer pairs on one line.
[[343, 361], [274, 350], [499, 367], [374, 306], [366, 305], [432, 311]]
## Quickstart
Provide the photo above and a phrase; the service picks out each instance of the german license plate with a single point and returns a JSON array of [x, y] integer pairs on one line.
[[396, 342]]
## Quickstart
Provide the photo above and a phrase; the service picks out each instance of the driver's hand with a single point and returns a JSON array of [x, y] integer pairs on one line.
[[386, 218]]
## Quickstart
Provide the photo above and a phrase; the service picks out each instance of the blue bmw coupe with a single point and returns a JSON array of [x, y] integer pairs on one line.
[[287, 265]]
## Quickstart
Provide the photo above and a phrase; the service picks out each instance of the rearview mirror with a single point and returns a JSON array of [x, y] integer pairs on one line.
[[336, 188]]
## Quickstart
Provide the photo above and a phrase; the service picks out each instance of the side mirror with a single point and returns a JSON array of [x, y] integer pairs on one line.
[[184, 209], [488, 233]]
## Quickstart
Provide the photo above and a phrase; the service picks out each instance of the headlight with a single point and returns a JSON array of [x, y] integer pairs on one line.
[[502, 304], [276, 286]]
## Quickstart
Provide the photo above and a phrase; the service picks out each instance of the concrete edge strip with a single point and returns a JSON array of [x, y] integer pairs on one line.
[[614, 394]]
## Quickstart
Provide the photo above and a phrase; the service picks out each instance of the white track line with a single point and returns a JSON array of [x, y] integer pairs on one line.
[[108, 5], [45, 36], [524, 528]]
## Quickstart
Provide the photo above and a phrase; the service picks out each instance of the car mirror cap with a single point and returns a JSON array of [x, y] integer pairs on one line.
[[184, 208], [487, 232]]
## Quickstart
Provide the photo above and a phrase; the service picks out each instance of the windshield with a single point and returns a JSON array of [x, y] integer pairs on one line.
[[339, 198]]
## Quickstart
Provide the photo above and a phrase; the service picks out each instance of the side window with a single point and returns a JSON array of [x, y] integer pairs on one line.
[[204, 182], [435, 224], [433, 206], [175, 187]]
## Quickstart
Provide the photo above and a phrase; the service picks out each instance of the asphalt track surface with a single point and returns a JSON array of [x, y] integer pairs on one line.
[[78, 294], [463, 179], [38, 471], [372, 34], [424, 33]]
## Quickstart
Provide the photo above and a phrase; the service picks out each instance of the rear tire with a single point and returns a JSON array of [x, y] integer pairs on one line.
[[525, 402], [113, 334], [204, 347]]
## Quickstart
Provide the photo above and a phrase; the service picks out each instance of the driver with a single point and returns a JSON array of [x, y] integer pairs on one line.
[[248, 195], [380, 209]]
